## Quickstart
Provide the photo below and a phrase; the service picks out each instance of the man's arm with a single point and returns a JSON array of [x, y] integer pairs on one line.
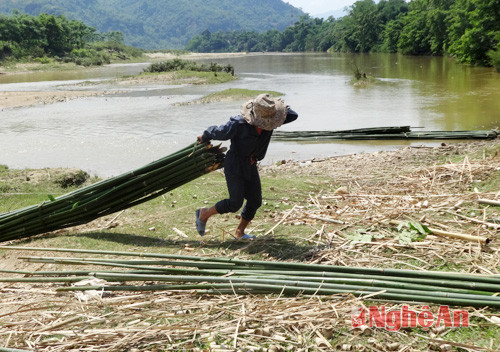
[[220, 133]]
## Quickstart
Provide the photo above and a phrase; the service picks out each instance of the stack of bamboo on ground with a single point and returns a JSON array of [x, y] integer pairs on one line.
[[231, 275], [113, 194], [382, 133]]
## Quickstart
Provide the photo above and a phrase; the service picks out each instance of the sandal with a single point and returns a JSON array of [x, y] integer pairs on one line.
[[200, 225], [245, 237]]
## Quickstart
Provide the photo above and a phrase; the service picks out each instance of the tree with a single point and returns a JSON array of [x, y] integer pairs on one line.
[[389, 10], [390, 36], [425, 31], [475, 32], [56, 40], [366, 25]]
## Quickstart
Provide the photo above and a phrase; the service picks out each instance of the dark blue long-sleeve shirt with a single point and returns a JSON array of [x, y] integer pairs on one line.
[[246, 141], [248, 144]]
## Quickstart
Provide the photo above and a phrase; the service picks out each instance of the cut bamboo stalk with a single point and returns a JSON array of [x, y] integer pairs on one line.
[[298, 289], [486, 223], [468, 283], [57, 325], [429, 285], [459, 236], [327, 220], [263, 265], [287, 283], [489, 202], [389, 133], [112, 195]]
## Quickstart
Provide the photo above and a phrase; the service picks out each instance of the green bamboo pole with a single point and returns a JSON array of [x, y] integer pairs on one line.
[[127, 265], [289, 284], [374, 134], [66, 205], [77, 272], [495, 279], [190, 164], [46, 279], [96, 210], [343, 280], [370, 130], [440, 282], [116, 180], [339, 280], [390, 281], [218, 279], [119, 179], [294, 290]]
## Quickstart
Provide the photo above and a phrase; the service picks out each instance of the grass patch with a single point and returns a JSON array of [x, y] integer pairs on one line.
[[178, 77], [155, 225], [364, 82], [479, 333], [16, 66], [236, 94], [195, 77]]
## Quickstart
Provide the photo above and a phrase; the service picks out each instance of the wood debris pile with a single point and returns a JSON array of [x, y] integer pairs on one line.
[[351, 222]]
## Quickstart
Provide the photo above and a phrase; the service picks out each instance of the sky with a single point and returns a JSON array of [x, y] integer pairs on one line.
[[316, 7]]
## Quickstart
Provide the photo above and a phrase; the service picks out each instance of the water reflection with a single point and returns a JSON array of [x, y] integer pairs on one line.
[[111, 134]]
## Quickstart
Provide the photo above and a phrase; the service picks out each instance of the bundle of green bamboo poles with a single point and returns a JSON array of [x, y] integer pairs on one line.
[[231, 275], [382, 133], [113, 194]]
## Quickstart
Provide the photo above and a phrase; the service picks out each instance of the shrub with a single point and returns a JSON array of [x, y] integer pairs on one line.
[[88, 57], [494, 55], [117, 50], [72, 178], [5, 50], [42, 60], [178, 64]]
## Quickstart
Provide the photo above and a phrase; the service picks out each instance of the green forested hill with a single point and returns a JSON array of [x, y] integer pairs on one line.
[[162, 24]]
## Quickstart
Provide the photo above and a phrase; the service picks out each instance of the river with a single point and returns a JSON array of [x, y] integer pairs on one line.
[[108, 135]]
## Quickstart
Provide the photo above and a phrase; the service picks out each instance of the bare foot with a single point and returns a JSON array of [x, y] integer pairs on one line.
[[204, 214]]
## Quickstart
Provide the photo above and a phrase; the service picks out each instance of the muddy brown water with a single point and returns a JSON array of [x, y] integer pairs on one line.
[[108, 135]]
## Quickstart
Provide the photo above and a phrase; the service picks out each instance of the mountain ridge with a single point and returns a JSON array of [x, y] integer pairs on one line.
[[164, 24]]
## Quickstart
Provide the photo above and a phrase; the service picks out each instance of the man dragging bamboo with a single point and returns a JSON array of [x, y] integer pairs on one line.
[[250, 134]]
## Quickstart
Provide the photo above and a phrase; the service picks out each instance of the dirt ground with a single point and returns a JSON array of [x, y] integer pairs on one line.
[[419, 182], [23, 99]]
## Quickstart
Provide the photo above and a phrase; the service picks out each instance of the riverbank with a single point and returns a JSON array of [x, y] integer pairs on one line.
[[17, 99], [332, 211], [13, 99]]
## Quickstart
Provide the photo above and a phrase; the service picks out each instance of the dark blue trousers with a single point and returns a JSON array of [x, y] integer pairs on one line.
[[243, 182]]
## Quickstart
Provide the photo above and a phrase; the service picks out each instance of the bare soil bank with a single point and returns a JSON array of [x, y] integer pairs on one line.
[[13, 99]]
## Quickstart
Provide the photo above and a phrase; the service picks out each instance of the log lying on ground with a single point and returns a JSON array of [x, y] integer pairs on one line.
[[113, 194], [232, 275], [382, 133]]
